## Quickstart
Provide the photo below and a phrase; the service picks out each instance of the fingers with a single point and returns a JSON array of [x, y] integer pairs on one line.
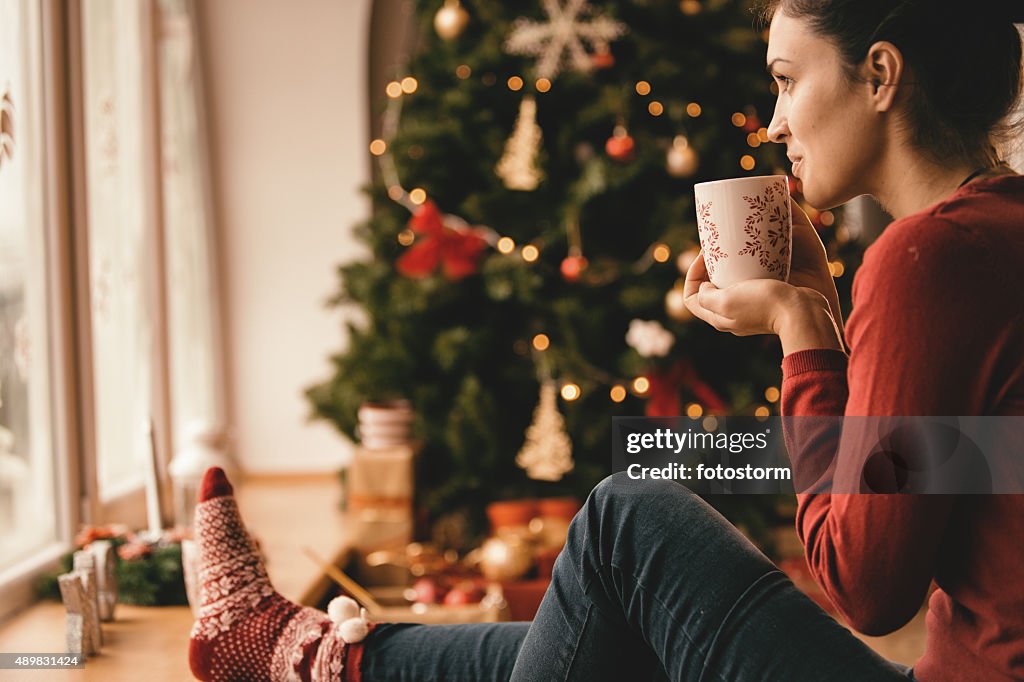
[[695, 275], [705, 302], [698, 295], [709, 297]]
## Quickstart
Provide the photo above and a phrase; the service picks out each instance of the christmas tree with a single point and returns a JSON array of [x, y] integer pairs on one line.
[[536, 207]]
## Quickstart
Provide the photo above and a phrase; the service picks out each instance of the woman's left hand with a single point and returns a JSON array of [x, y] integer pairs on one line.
[[755, 306], [800, 316]]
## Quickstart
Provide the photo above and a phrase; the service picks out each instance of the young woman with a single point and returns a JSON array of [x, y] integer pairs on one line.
[[898, 99]]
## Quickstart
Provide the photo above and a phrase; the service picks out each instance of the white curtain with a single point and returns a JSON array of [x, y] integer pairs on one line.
[[149, 204], [192, 294], [121, 228]]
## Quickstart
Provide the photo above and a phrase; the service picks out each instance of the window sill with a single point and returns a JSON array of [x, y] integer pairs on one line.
[[17, 582], [285, 513]]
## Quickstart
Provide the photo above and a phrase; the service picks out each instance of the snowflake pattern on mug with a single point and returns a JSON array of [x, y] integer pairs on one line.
[[709, 237], [767, 230]]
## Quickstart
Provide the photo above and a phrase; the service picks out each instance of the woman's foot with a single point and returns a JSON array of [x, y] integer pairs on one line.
[[246, 630]]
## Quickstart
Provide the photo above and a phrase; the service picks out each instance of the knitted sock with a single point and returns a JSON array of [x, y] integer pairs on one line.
[[246, 630]]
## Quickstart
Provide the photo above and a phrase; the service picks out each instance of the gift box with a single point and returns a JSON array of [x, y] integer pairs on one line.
[[381, 483]]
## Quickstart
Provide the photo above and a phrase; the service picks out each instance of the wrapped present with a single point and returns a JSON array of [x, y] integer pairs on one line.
[[381, 483]]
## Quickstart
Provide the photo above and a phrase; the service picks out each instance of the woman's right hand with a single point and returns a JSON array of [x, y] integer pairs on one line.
[[809, 265]]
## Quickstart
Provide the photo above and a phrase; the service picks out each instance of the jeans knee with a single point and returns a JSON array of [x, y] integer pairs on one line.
[[620, 487], [622, 498]]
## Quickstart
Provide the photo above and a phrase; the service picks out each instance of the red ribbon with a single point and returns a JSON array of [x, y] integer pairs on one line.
[[458, 252], [663, 395]]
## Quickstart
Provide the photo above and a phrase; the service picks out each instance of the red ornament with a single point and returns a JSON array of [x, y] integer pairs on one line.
[[457, 252], [428, 591], [663, 395], [753, 124], [620, 145], [603, 59], [456, 597], [463, 593], [573, 267]]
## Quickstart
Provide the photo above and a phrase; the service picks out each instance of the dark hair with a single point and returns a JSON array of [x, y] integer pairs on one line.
[[963, 58]]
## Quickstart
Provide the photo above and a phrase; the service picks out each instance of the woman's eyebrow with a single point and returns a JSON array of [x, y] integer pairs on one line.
[[771, 64]]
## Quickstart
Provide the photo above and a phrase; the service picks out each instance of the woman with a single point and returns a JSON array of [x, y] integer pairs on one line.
[[897, 99]]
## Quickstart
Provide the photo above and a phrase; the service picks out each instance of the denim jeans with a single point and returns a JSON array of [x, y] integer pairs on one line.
[[653, 584]]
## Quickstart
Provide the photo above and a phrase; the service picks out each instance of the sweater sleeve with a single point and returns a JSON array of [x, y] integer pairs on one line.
[[918, 337]]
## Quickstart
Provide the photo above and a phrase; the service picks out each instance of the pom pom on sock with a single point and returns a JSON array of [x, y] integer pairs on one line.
[[354, 630], [342, 608]]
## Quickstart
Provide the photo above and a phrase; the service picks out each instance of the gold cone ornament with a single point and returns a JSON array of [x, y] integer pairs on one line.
[[547, 453], [518, 165]]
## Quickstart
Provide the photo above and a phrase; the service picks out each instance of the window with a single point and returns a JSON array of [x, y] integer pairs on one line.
[[28, 515], [107, 286]]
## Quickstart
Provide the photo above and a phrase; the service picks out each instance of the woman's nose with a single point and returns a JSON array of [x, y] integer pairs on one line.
[[778, 129]]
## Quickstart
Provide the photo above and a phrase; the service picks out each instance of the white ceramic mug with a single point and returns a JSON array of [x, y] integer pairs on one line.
[[745, 228]]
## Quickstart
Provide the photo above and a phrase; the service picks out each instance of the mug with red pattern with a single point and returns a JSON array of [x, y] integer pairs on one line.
[[745, 228]]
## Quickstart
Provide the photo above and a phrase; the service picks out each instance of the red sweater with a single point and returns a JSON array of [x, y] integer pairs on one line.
[[937, 328]]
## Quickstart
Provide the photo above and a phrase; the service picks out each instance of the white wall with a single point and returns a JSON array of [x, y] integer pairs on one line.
[[286, 83]]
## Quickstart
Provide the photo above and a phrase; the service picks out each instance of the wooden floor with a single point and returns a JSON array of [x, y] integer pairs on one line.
[[148, 644]]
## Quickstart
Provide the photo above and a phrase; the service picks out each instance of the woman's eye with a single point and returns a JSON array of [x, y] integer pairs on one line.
[[783, 81]]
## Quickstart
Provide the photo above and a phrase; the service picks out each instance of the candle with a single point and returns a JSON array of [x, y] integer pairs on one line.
[[154, 515]]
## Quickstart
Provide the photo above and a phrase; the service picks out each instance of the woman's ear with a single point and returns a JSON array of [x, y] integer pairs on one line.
[[883, 69]]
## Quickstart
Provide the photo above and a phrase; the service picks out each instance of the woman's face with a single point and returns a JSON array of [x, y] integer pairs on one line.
[[826, 121]]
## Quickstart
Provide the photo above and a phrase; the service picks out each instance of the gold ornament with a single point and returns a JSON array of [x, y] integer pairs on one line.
[[549, 532], [681, 160], [690, 7], [451, 20], [518, 165], [686, 258], [675, 305], [505, 557], [547, 453]]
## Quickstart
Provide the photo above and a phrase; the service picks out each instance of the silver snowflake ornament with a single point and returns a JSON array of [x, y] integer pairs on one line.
[[569, 25]]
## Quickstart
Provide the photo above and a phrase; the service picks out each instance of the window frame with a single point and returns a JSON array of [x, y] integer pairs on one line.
[[16, 582]]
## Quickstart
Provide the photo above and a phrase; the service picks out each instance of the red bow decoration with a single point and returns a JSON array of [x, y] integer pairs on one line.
[[663, 394], [457, 251]]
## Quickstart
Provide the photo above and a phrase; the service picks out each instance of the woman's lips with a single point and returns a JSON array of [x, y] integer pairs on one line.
[[796, 167]]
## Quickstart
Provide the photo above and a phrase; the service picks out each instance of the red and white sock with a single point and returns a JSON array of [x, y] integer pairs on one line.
[[246, 630]]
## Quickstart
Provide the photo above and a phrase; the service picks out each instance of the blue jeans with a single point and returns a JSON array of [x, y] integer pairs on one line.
[[653, 584]]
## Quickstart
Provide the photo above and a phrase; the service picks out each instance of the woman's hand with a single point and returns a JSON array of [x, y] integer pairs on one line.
[[809, 264], [800, 316]]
